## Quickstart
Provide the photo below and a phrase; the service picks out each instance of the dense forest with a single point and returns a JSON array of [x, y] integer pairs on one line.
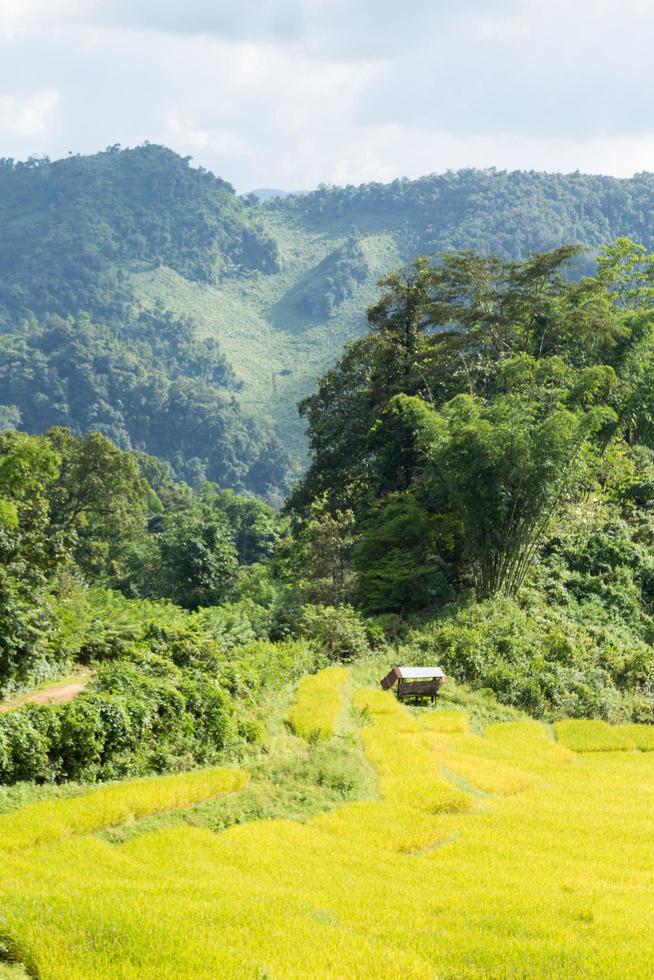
[[142, 298], [480, 493], [508, 213], [78, 348]]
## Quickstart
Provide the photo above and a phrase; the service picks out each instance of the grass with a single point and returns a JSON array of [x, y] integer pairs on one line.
[[542, 867], [402, 752], [315, 712], [446, 722], [290, 778]]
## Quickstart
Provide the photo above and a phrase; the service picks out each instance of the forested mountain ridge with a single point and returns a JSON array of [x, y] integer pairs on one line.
[[142, 297], [79, 348], [67, 225], [510, 213]]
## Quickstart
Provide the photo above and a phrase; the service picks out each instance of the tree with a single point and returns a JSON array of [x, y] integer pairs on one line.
[[198, 559], [99, 499], [28, 467], [443, 327], [326, 542], [503, 469], [255, 526], [404, 560]]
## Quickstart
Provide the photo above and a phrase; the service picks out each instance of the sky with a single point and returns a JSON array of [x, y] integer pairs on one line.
[[292, 93]]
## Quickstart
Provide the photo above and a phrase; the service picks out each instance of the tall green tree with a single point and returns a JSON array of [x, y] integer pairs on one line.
[[28, 555], [197, 557], [99, 499], [504, 469]]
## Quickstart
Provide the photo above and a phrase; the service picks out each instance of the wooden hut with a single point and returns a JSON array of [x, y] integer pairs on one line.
[[414, 682]]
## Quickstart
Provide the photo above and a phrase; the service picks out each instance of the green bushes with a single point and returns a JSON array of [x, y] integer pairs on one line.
[[339, 630], [542, 660], [170, 689], [144, 713]]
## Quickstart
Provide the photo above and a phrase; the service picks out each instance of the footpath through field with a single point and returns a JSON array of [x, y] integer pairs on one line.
[[58, 693]]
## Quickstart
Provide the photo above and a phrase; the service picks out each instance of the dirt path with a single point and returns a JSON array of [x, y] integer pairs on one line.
[[58, 693]]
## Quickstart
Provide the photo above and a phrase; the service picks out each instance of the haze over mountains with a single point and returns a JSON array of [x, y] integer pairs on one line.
[[143, 297]]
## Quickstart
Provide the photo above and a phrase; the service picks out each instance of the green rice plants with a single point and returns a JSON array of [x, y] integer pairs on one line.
[[642, 736], [586, 735]]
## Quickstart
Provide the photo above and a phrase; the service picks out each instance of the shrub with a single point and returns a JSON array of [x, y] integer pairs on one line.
[[26, 736], [142, 715], [339, 630], [81, 737], [541, 660]]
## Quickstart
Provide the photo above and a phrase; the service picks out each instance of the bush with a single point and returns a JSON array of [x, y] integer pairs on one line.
[[338, 630], [142, 715], [25, 739], [263, 666], [81, 737], [542, 660]]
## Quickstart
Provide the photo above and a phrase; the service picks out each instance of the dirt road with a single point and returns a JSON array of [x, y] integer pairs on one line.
[[57, 693]]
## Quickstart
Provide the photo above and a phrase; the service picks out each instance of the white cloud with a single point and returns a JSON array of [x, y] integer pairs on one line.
[[182, 129], [294, 92], [28, 116], [20, 16]]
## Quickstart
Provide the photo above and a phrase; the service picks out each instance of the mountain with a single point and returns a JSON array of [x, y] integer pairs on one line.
[[141, 296], [269, 193]]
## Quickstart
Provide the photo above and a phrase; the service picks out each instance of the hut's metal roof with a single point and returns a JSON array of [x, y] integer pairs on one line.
[[413, 673], [410, 673]]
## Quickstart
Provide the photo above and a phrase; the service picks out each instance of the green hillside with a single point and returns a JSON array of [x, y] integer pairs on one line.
[[280, 285]]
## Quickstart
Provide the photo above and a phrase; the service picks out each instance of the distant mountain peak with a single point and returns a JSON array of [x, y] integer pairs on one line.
[[271, 193]]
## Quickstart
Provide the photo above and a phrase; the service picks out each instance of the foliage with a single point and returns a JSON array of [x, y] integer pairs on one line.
[[510, 213], [144, 713], [323, 555], [546, 660], [148, 384], [402, 557], [338, 630], [531, 450], [98, 498], [28, 469], [198, 558], [127, 235], [88, 214], [334, 280], [254, 524]]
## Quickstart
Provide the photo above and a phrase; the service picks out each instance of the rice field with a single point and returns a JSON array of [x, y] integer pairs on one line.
[[318, 703], [502, 855], [581, 735]]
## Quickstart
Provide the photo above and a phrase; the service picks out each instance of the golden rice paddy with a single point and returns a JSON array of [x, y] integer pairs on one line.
[[318, 703], [507, 855]]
